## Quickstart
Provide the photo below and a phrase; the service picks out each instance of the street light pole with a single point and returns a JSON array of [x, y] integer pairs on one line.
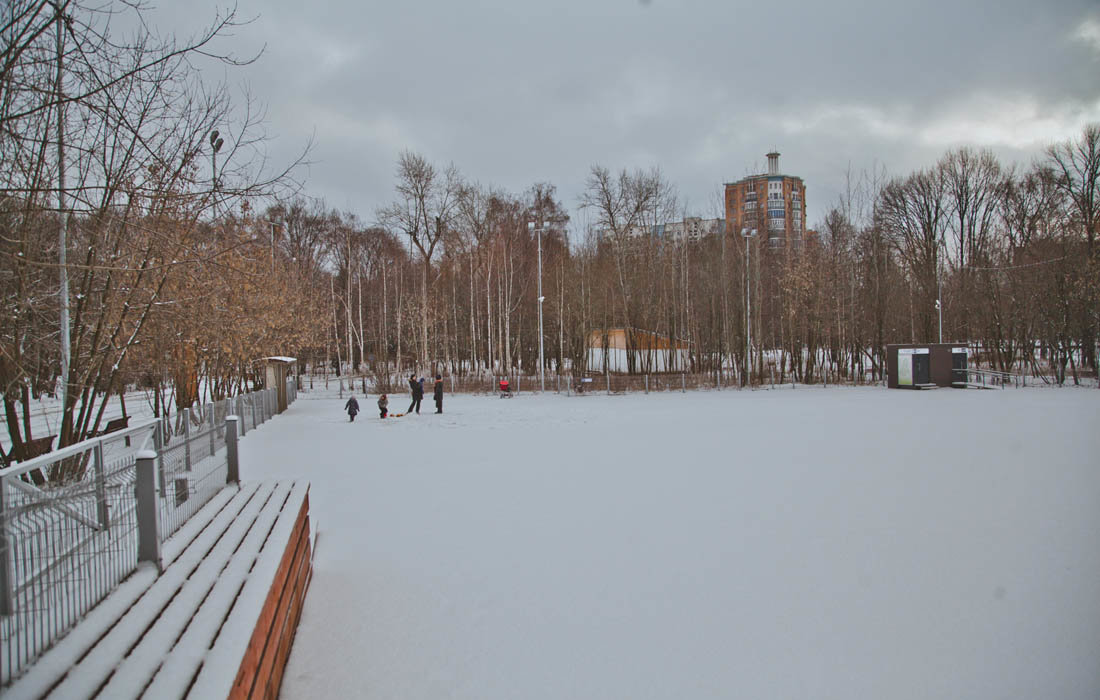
[[215, 146], [939, 289], [273, 225], [747, 234], [541, 298]]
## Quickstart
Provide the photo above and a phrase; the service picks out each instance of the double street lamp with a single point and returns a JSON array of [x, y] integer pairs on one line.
[[748, 234], [542, 365]]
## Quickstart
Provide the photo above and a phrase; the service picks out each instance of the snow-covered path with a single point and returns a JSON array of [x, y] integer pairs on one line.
[[839, 543]]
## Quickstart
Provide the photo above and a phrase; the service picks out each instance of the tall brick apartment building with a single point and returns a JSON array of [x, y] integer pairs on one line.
[[773, 204]]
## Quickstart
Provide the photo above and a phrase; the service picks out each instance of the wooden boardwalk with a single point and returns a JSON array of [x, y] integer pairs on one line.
[[217, 622]]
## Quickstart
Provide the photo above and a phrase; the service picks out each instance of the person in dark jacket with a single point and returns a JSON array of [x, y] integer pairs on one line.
[[352, 407], [417, 394], [383, 406], [438, 395]]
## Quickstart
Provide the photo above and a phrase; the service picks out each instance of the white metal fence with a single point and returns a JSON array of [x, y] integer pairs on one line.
[[73, 523]]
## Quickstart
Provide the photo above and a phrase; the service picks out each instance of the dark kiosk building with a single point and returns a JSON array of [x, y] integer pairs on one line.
[[925, 366]]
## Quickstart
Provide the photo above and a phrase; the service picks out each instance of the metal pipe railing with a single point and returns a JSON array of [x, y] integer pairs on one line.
[[65, 546]]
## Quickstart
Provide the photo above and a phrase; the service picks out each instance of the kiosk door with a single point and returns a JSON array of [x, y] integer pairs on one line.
[[958, 365], [921, 369]]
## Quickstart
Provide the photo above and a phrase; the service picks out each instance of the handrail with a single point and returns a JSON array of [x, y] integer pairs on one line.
[[1001, 377], [72, 450]]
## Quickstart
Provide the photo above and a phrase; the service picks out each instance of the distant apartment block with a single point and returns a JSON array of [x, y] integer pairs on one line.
[[774, 204], [692, 228]]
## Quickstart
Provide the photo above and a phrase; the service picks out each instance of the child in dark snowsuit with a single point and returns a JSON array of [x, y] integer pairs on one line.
[[383, 406], [417, 394], [352, 407], [438, 395]]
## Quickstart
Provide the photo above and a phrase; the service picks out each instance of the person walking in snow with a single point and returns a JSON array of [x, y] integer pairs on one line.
[[352, 407], [438, 395], [417, 390], [383, 406]]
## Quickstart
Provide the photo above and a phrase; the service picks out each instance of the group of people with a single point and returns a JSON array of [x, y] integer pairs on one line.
[[415, 386]]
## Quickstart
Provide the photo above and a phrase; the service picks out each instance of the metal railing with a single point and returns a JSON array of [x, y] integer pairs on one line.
[[987, 378], [68, 541]]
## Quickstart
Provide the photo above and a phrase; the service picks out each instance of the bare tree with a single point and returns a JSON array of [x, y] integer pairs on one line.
[[423, 210], [1078, 164]]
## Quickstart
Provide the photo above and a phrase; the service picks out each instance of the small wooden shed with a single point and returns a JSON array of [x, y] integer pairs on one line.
[[925, 366], [276, 372]]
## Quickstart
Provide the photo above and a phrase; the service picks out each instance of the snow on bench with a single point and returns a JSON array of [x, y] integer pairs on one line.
[[217, 623]]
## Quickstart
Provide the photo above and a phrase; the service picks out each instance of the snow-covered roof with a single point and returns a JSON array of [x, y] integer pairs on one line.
[[276, 358]]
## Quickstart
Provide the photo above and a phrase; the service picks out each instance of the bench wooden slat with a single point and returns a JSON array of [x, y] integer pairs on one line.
[[145, 659], [187, 653], [95, 668], [244, 624]]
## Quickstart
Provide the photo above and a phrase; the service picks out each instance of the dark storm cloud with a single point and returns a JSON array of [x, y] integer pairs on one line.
[[516, 92]]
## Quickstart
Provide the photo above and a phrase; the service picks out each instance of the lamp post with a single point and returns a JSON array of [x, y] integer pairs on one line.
[[940, 248], [273, 225], [215, 146], [542, 365], [748, 234]]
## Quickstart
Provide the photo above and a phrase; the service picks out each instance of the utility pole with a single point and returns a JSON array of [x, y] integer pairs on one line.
[[215, 146], [63, 218], [273, 225], [939, 288], [541, 298], [748, 234]]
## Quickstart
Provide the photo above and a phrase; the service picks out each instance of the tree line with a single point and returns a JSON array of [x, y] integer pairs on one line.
[[145, 242]]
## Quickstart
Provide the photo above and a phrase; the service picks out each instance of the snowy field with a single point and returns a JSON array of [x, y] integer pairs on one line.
[[808, 543]]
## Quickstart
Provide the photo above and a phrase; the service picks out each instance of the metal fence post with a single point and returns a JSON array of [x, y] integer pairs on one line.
[[187, 438], [7, 575], [145, 491], [233, 473], [158, 445], [101, 486], [213, 431]]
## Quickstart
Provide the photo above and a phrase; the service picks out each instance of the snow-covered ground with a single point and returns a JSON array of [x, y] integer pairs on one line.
[[807, 543]]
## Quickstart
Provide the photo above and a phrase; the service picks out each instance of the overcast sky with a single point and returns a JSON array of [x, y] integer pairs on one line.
[[515, 92]]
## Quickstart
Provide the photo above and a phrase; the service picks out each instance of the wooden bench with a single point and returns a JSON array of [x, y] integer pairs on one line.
[[113, 426], [218, 622], [31, 449]]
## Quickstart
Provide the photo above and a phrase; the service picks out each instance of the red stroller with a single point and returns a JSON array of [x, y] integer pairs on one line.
[[505, 389]]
